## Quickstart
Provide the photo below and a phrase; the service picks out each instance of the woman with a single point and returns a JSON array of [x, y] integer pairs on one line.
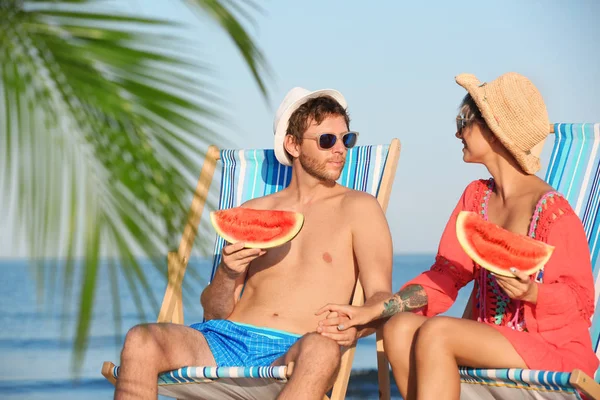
[[536, 322]]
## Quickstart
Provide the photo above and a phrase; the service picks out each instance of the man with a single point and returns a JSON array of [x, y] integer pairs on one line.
[[344, 233]]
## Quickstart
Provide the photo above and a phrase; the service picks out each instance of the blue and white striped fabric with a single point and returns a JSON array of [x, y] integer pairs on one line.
[[247, 174], [205, 374], [509, 380], [574, 171], [252, 383], [192, 374]]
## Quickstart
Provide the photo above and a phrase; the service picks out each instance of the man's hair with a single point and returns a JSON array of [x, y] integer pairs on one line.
[[317, 110]]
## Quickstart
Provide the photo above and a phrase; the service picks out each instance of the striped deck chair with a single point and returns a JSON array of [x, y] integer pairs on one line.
[[573, 170], [247, 174]]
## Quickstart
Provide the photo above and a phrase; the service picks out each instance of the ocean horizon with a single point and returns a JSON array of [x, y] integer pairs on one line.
[[37, 331]]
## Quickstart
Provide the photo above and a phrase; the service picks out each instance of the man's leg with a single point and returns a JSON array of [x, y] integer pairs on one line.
[[316, 361], [155, 348]]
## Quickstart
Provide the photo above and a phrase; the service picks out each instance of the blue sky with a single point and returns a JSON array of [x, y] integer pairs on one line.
[[395, 63]]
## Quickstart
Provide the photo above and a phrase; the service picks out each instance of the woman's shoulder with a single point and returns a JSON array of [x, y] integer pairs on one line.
[[552, 209], [479, 185], [475, 192], [553, 205]]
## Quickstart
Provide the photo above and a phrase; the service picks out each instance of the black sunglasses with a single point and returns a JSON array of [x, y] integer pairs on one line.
[[461, 123], [327, 140]]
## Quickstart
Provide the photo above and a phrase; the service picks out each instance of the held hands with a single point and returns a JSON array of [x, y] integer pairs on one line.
[[342, 320], [236, 258], [521, 287], [330, 327]]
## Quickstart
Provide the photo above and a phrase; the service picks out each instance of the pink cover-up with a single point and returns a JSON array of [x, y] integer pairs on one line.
[[552, 334]]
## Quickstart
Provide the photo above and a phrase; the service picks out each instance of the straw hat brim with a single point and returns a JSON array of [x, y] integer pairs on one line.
[[528, 160]]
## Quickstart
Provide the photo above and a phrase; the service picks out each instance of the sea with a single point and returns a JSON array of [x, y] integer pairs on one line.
[[38, 315]]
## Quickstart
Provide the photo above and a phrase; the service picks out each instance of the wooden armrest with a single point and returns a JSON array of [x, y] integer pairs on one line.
[[581, 381], [107, 369]]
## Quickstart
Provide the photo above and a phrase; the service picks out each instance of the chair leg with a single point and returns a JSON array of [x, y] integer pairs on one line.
[[383, 368], [582, 382]]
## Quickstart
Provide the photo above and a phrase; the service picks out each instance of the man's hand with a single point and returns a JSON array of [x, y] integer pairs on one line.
[[329, 327], [220, 296], [236, 259]]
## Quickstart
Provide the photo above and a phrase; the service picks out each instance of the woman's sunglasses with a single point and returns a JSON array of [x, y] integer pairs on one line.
[[461, 123], [328, 140]]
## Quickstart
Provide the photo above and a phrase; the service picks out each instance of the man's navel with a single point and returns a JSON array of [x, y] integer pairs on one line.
[[327, 258]]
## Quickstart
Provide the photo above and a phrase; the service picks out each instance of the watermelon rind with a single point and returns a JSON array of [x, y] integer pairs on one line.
[[291, 234], [466, 244]]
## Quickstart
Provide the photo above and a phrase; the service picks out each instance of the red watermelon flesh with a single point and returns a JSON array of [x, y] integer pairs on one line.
[[260, 229], [497, 249]]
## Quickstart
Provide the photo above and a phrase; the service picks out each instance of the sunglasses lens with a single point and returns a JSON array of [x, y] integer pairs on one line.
[[349, 140], [327, 140]]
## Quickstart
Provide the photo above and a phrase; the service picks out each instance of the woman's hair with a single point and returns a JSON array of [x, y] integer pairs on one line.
[[469, 110]]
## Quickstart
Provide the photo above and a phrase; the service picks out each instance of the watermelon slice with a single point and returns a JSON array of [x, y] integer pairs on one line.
[[258, 229], [497, 249]]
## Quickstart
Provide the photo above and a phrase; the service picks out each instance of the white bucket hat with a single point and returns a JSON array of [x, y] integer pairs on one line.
[[294, 99]]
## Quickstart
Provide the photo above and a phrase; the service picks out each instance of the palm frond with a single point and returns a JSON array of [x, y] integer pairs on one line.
[[103, 125], [231, 16]]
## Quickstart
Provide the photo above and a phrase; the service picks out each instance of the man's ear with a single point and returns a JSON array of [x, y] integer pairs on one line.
[[291, 146]]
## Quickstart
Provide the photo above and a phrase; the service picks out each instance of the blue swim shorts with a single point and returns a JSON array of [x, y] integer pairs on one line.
[[240, 345]]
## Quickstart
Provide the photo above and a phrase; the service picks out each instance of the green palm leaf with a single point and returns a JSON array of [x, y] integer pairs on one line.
[[101, 129]]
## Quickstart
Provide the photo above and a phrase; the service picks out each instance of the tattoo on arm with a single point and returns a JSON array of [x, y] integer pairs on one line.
[[411, 298]]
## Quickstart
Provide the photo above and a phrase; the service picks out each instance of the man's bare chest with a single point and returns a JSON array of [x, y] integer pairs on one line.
[[323, 242]]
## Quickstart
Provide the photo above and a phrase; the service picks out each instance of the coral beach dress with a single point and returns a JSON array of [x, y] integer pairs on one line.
[[552, 334]]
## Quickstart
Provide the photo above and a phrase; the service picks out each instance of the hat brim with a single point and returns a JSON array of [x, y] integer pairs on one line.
[[529, 162], [282, 126]]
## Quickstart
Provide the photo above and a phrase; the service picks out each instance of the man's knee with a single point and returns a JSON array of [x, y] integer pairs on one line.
[[139, 340], [321, 348]]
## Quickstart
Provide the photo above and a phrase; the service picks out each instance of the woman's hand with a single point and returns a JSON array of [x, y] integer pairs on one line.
[[355, 315], [521, 287]]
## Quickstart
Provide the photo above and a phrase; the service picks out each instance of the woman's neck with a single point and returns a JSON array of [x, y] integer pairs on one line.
[[509, 179]]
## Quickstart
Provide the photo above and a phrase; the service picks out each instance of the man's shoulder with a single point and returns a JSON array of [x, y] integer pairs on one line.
[[262, 203], [357, 198]]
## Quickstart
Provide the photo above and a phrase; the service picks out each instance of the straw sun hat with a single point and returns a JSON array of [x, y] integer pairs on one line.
[[514, 110]]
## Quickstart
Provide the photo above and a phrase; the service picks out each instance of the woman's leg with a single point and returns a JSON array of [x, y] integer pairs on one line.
[[398, 338], [444, 343]]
